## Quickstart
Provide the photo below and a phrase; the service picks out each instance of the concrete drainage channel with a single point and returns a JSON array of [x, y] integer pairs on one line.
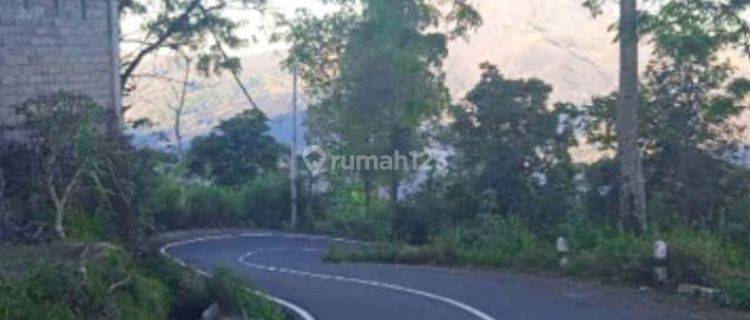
[[296, 310]]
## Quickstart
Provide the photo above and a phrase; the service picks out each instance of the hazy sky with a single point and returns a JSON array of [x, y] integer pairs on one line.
[[258, 26]]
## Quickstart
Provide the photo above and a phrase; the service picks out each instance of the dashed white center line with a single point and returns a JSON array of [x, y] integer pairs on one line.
[[457, 304]]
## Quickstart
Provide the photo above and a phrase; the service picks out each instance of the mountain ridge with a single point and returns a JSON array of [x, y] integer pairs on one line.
[[557, 41]]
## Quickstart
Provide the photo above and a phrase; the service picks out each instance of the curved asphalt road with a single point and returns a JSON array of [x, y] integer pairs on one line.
[[290, 267]]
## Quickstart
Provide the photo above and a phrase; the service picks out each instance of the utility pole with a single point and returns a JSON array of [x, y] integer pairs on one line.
[[293, 159]]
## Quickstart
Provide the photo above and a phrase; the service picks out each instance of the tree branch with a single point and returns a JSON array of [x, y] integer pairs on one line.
[[173, 28]]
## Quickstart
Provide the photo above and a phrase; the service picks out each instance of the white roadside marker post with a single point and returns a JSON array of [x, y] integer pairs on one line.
[[562, 250], [661, 252]]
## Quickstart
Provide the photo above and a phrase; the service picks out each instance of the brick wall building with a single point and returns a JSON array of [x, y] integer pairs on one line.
[[52, 45]]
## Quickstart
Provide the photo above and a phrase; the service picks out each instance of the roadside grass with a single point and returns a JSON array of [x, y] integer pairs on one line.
[[193, 292], [234, 298], [78, 281], [97, 280], [596, 252]]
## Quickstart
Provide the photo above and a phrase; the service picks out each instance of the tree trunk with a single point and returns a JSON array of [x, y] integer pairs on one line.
[[60, 199], [632, 189], [59, 215], [2, 201], [181, 107], [178, 133], [395, 179], [368, 189], [394, 190]]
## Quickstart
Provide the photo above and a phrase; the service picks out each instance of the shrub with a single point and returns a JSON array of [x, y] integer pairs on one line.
[[235, 299], [265, 201], [104, 286], [700, 257], [737, 293], [348, 215], [210, 206], [613, 256], [413, 226], [497, 242], [81, 225], [166, 204]]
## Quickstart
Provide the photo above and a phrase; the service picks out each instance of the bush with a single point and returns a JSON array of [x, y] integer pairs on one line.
[[349, 215], [210, 206], [234, 299], [597, 250], [265, 201], [107, 286], [166, 205], [81, 225], [187, 288], [196, 206], [413, 226], [737, 293], [500, 242], [611, 255], [701, 258]]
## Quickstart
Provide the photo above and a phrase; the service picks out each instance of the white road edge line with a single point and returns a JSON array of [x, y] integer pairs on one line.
[[302, 313], [384, 285]]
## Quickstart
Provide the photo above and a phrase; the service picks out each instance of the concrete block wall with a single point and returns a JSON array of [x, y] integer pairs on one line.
[[52, 45]]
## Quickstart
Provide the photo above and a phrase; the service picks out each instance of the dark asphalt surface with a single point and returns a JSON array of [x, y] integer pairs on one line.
[[291, 268]]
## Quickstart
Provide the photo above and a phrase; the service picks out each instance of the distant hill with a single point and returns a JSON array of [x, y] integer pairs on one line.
[[555, 40], [212, 99]]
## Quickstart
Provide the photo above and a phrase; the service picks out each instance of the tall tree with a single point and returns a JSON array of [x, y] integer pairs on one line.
[[688, 105], [632, 184], [375, 76], [681, 29], [512, 148], [239, 149]]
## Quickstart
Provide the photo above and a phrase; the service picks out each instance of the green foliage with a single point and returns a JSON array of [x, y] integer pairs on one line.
[[347, 215], [65, 136], [689, 105], [394, 253], [209, 206], [186, 287], [234, 298], [702, 258], [262, 202], [187, 26], [239, 150], [166, 204], [698, 257], [602, 251], [696, 29], [108, 287], [737, 293], [596, 250], [499, 242], [81, 225], [265, 200], [374, 71], [512, 150]]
